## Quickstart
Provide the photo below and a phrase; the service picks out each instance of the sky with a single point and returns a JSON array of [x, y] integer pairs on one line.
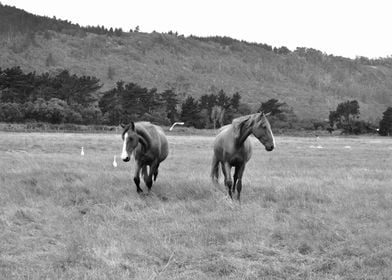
[[346, 28]]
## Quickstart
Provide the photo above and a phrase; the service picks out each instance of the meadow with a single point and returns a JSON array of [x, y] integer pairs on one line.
[[306, 213]]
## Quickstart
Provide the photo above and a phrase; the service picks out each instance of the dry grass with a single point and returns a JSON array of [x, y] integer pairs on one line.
[[306, 213]]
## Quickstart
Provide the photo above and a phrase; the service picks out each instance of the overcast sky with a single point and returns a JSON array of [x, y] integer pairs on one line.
[[341, 27]]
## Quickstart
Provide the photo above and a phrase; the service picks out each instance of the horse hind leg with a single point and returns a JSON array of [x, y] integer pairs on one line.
[[239, 171], [148, 175], [235, 178], [156, 172]]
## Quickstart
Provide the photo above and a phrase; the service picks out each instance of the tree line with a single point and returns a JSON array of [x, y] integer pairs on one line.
[[16, 20], [68, 98]]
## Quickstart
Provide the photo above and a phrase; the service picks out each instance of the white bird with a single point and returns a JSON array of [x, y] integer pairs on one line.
[[174, 124], [114, 162], [82, 152]]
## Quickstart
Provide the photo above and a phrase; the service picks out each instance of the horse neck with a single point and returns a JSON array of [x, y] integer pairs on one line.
[[145, 138], [245, 132]]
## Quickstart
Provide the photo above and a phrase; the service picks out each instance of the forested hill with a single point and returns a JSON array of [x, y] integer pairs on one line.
[[309, 81]]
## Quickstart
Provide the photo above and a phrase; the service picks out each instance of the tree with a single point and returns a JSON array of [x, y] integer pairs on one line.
[[386, 123], [217, 116], [333, 118], [118, 32], [111, 106], [223, 100], [151, 100], [345, 113], [348, 110], [190, 112], [235, 101], [76, 90], [272, 106], [132, 98], [171, 101], [345, 116]]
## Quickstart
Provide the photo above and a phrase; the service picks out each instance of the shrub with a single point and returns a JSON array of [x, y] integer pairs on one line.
[[11, 112]]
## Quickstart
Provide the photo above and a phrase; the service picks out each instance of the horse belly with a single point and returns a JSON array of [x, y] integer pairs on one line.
[[237, 161], [145, 158], [164, 149], [241, 156]]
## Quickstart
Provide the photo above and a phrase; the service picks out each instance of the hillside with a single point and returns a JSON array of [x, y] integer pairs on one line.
[[311, 82]]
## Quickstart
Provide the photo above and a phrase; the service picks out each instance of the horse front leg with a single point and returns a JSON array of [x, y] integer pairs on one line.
[[226, 170], [239, 171], [136, 177], [156, 172]]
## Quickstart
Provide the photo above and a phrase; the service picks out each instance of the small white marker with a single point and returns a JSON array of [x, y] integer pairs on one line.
[[114, 162], [319, 147], [174, 124], [82, 152], [347, 147]]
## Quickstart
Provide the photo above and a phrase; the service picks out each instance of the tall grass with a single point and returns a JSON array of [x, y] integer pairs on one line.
[[305, 213]]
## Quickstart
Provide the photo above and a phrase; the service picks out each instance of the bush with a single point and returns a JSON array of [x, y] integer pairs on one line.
[[11, 112]]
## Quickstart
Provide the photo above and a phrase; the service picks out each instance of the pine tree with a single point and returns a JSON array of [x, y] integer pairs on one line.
[[171, 101], [235, 101], [190, 112], [223, 100], [386, 123]]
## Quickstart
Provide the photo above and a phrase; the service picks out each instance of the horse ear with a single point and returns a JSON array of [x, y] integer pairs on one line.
[[269, 113], [132, 126], [122, 125], [259, 116]]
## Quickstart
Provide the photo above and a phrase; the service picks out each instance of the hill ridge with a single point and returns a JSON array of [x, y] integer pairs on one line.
[[309, 81]]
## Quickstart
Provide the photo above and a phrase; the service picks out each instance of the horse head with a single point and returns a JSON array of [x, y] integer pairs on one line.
[[130, 140], [261, 129]]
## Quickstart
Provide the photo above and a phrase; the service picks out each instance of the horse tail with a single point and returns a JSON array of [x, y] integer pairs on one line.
[[215, 169]]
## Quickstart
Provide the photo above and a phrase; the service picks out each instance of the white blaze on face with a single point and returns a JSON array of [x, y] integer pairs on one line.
[[124, 153], [273, 139]]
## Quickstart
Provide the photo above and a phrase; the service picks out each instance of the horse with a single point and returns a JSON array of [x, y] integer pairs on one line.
[[232, 148], [149, 146]]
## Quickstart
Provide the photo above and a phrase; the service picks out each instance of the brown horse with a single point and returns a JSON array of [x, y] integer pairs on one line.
[[232, 147], [149, 146]]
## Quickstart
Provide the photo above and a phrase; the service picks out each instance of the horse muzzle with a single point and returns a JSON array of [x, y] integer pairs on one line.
[[269, 148], [126, 159]]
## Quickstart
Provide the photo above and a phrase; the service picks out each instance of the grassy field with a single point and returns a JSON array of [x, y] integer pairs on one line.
[[306, 213]]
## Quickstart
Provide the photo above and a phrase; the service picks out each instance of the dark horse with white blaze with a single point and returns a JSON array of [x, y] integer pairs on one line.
[[149, 146], [232, 148]]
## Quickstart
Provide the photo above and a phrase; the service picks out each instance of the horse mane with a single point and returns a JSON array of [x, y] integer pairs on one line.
[[242, 127]]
